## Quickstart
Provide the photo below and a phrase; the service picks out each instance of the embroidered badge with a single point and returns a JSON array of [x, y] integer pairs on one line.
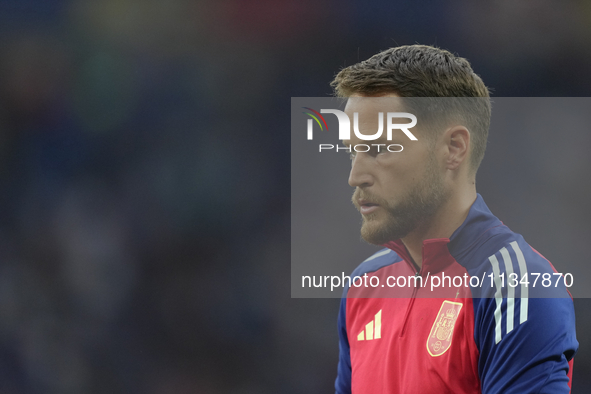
[[443, 328]]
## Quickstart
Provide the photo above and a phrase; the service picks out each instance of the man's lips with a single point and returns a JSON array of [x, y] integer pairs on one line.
[[366, 207]]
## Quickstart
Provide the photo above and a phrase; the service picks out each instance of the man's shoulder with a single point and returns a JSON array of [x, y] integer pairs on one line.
[[514, 267], [499, 243]]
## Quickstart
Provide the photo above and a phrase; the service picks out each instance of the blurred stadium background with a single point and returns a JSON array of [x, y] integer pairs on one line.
[[144, 178]]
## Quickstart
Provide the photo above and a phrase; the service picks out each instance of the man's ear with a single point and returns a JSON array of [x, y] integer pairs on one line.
[[457, 140]]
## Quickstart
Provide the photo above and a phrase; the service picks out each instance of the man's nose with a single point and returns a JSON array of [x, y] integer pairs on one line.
[[360, 175]]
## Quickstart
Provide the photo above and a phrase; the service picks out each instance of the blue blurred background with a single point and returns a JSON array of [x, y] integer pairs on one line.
[[144, 177]]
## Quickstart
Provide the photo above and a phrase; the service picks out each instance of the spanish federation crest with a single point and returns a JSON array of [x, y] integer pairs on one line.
[[443, 328]]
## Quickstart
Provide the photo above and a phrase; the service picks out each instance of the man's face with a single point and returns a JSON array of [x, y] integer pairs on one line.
[[396, 192]]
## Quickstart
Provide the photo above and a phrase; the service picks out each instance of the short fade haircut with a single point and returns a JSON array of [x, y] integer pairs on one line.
[[428, 74]]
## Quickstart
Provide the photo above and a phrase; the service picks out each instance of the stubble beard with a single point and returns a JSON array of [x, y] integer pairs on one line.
[[414, 210]]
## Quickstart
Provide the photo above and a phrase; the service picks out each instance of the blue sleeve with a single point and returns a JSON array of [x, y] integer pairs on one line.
[[534, 356], [343, 381], [525, 342]]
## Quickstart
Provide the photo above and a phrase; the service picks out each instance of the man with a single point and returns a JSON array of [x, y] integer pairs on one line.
[[422, 205]]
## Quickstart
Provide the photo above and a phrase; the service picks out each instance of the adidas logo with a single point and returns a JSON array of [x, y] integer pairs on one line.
[[373, 329]]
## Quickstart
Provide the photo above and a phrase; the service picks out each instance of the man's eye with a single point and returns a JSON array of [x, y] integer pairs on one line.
[[375, 151], [352, 155], [379, 149]]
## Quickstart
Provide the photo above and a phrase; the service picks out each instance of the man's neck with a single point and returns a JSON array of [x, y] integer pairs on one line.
[[449, 217]]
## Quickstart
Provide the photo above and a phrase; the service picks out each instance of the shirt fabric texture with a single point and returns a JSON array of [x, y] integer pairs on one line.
[[492, 338]]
